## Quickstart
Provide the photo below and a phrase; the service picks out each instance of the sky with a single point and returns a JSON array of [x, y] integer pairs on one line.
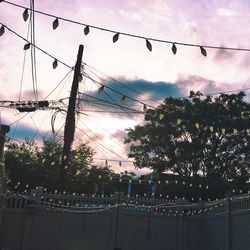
[[145, 76]]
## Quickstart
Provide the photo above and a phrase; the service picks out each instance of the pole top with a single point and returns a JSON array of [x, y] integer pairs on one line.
[[4, 128]]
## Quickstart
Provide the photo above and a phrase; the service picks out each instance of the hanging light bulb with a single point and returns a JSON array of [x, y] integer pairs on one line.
[[149, 45], [55, 64], [55, 23], [26, 46], [2, 30], [203, 51], [115, 37], [25, 15], [86, 30], [174, 48]]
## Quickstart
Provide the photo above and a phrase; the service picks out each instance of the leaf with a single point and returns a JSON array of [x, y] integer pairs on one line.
[[248, 130], [161, 116], [203, 51], [211, 128], [235, 131], [123, 100], [26, 46], [145, 109], [115, 37], [2, 30], [174, 48], [223, 130], [55, 63], [197, 125], [25, 15], [149, 45], [178, 121], [100, 90], [86, 30], [55, 23]]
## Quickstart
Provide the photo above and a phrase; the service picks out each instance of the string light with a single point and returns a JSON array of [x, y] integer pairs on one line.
[[87, 30], [25, 15], [115, 37], [148, 45], [2, 29], [26, 46], [55, 23]]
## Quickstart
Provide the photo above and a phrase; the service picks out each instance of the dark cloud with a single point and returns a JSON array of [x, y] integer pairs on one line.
[[150, 93]]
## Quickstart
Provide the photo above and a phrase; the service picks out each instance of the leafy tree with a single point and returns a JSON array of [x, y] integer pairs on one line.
[[27, 164], [196, 136]]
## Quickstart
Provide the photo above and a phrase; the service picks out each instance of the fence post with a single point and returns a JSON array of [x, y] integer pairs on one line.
[[228, 224], [180, 226], [119, 198], [3, 130]]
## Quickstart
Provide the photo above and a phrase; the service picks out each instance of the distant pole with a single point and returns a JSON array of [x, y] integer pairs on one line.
[[69, 128]]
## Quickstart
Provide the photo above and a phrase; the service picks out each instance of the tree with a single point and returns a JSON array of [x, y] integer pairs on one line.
[[28, 166], [198, 136]]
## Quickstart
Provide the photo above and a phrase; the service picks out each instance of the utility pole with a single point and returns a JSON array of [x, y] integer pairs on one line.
[[69, 128], [3, 130]]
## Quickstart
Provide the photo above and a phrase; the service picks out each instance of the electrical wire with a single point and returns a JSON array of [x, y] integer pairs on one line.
[[40, 49], [33, 50], [129, 34], [118, 92], [114, 104], [118, 82]]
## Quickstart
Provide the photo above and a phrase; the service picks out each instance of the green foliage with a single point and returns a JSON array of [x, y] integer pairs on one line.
[[26, 164], [198, 136]]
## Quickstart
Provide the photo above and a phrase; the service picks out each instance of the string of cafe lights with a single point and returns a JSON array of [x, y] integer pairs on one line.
[[128, 180], [27, 46], [117, 34], [56, 61], [77, 204]]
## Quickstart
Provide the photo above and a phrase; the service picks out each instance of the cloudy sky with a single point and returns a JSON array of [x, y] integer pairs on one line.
[[143, 75]]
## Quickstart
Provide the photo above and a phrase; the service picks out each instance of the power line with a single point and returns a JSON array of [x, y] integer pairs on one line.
[[116, 91], [118, 82], [132, 89], [117, 33], [111, 103]]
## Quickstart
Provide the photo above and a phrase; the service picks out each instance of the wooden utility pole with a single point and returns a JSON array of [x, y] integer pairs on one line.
[[69, 128], [3, 130]]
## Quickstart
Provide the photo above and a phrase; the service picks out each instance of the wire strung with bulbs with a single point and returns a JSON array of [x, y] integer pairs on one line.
[[117, 34]]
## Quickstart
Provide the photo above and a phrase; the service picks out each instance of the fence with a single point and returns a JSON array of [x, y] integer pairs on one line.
[[40, 220]]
